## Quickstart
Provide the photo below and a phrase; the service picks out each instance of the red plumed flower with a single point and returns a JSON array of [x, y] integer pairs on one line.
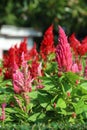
[[47, 44], [80, 48], [14, 55], [33, 54], [74, 43], [84, 41]]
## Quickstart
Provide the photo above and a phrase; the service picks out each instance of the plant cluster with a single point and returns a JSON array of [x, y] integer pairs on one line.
[[45, 86]]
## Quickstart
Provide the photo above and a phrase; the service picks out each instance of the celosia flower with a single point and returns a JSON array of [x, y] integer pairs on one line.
[[85, 70], [39, 69], [2, 117], [22, 80], [47, 44], [75, 68], [36, 69], [8, 61], [80, 48], [0, 71], [74, 43], [84, 41], [63, 52], [40, 86], [33, 54], [14, 54]]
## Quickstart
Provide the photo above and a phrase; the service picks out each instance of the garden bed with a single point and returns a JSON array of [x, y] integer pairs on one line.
[[45, 86]]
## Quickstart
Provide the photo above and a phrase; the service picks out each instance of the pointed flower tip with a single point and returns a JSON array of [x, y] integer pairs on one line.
[[61, 30], [62, 35], [49, 30]]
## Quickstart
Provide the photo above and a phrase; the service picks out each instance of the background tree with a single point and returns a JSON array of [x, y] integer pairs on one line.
[[40, 14]]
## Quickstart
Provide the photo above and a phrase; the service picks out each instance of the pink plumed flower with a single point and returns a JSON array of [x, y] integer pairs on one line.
[[85, 70], [75, 68], [39, 69], [40, 86], [63, 52], [22, 80], [2, 117], [18, 81]]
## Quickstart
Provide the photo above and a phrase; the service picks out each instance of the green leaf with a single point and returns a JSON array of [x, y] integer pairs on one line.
[[44, 99], [49, 87], [80, 107], [63, 112], [36, 116], [61, 103], [33, 94], [50, 83], [72, 77], [30, 105], [49, 108], [84, 97], [6, 83], [84, 87], [10, 110]]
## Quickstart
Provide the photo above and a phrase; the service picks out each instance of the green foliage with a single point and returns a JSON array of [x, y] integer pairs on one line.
[[42, 126], [61, 99]]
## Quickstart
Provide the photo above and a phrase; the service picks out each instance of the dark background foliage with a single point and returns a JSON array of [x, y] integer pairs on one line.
[[70, 14]]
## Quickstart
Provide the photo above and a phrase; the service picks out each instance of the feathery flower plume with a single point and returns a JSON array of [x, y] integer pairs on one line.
[[74, 43], [85, 70], [79, 48], [22, 80], [63, 52], [75, 68], [33, 54], [2, 117], [47, 44], [14, 54]]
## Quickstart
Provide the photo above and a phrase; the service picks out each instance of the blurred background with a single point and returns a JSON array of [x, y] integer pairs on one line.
[[40, 14]]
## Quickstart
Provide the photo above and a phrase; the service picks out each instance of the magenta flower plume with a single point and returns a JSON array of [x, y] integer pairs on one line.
[[75, 68], [63, 52], [22, 80], [85, 70], [2, 117]]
